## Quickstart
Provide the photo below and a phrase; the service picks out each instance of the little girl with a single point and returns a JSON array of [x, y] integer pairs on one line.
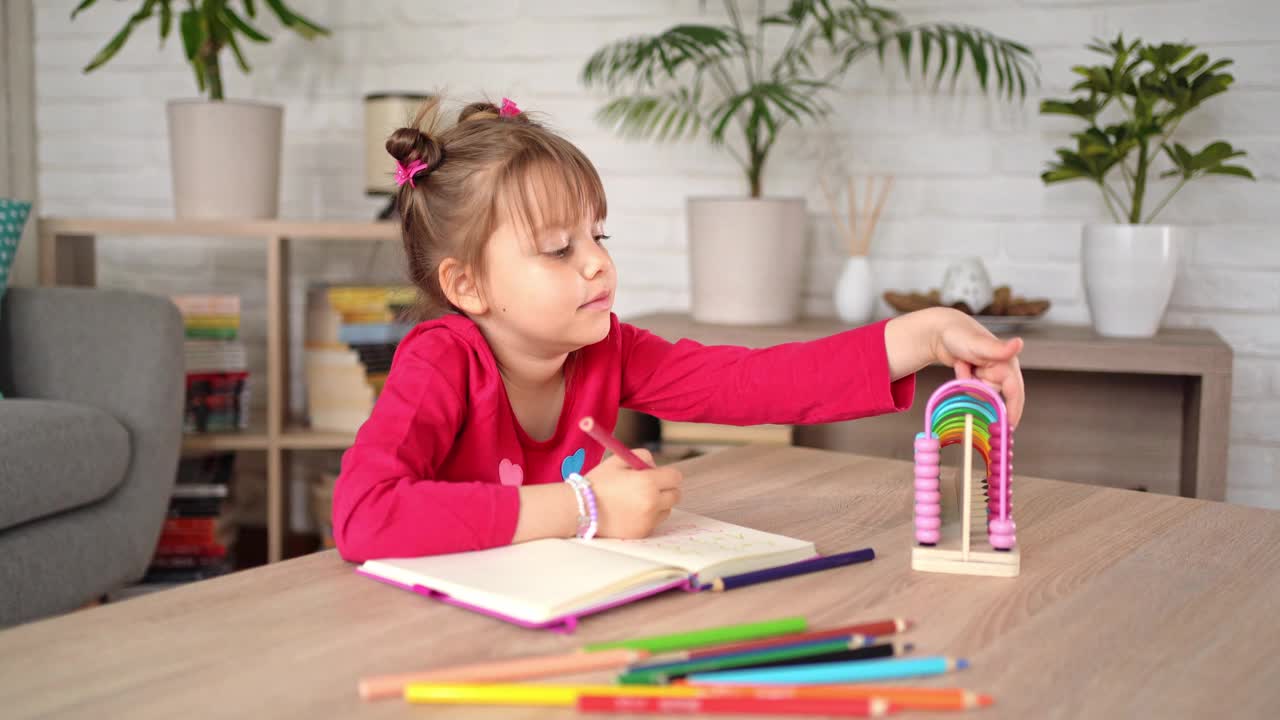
[[474, 441]]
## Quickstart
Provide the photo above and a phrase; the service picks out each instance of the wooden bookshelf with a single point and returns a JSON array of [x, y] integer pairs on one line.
[[68, 257]]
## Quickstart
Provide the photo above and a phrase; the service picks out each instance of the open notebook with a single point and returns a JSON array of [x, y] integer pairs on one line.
[[550, 583]]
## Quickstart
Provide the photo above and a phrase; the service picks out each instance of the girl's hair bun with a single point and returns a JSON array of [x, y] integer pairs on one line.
[[408, 144]]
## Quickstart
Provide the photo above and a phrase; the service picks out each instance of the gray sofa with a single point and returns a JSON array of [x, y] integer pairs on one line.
[[90, 432]]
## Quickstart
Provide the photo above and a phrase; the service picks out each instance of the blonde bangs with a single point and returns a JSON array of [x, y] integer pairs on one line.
[[549, 185]]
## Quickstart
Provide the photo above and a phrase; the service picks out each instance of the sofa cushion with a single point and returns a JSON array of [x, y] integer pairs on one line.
[[56, 456]]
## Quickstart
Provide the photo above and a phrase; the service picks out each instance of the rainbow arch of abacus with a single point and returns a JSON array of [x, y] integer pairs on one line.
[[992, 439]]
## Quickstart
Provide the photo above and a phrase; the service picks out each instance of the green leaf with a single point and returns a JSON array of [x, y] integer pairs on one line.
[[166, 20], [110, 49], [645, 115], [192, 35], [1085, 109], [926, 44], [234, 21], [295, 22], [637, 59], [1231, 170], [1191, 66], [1062, 174], [235, 50], [1214, 154], [250, 9], [82, 7], [904, 50], [117, 42]]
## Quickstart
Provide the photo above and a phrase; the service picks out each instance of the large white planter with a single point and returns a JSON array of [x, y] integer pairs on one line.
[[225, 159], [1128, 276], [746, 259]]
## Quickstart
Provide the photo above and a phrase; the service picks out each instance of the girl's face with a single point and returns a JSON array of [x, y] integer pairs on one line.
[[554, 287]]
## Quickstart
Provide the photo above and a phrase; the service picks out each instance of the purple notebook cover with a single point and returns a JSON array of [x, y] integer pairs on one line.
[[563, 624]]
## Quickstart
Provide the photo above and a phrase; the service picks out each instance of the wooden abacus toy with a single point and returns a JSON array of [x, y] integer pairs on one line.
[[969, 413]]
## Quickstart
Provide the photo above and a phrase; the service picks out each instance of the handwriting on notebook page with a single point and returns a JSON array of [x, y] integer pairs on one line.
[[699, 538]]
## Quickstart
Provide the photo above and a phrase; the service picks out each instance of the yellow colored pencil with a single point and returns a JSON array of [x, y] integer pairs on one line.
[[522, 694]]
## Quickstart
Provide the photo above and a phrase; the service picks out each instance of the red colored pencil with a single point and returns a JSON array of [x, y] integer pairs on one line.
[[870, 630], [857, 707], [605, 438]]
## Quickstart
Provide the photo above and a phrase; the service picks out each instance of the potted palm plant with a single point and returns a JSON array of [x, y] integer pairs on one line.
[[721, 80], [224, 154], [1132, 104]]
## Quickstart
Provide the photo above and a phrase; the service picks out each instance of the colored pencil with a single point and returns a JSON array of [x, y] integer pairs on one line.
[[522, 694], [902, 698], [867, 630], [709, 636], [905, 698], [821, 652], [840, 642], [392, 686], [856, 707], [605, 438], [837, 672], [791, 570]]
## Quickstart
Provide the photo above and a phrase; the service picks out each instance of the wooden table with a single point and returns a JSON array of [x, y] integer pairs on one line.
[[1144, 414], [1129, 605]]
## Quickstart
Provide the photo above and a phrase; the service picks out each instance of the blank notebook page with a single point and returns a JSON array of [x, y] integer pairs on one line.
[[536, 581]]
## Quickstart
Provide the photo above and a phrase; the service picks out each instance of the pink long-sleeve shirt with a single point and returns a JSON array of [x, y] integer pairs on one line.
[[437, 466]]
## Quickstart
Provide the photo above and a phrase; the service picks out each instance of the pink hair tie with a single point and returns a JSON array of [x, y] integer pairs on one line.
[[509, 108], [405, 174]]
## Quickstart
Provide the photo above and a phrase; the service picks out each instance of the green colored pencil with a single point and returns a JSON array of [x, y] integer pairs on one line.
[[709, 636], [822, 651]]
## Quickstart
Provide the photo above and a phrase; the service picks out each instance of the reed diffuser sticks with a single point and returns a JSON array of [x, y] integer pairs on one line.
[[859, 242]]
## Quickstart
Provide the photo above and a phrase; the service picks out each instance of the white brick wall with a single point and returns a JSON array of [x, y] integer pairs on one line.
[[967, 169]]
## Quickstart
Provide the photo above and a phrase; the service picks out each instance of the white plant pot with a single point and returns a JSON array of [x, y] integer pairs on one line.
[[1128, 276], [746, 260], [855, 292], [225, 159]]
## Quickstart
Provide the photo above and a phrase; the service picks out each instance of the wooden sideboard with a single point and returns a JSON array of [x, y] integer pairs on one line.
[[1146, 414]]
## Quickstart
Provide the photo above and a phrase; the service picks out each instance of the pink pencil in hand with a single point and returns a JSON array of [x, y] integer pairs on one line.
[[605, 438]]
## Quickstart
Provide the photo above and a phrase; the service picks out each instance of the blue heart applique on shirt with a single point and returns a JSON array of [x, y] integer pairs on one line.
[[573, 463]]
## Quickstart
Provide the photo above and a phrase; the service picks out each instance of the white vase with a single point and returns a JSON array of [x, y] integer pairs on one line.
[[225, 159], [746, 260], [855, 292], [1128, 274]]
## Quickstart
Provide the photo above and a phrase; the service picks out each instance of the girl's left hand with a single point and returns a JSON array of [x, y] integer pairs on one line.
[[965, 345]]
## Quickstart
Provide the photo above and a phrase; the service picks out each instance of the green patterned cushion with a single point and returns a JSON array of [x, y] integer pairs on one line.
[[13, 216]]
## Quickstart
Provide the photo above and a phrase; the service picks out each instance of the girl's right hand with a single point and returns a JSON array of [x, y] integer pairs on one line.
[[630, 503]]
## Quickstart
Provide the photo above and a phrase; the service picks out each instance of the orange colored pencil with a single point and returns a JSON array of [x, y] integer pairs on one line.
[[392, 686], [902, 698]]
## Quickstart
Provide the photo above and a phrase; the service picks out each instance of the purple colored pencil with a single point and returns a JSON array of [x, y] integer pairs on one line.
[[784, 571]]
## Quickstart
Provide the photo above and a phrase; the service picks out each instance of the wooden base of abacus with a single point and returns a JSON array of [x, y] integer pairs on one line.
[[948, 557], [963, 548]]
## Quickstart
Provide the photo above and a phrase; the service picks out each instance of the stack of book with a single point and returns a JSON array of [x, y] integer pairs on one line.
[[216, 363], [352, 335], [197, 533]]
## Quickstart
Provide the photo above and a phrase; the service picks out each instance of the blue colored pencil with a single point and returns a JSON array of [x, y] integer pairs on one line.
[[833, 673], [796, 568]]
